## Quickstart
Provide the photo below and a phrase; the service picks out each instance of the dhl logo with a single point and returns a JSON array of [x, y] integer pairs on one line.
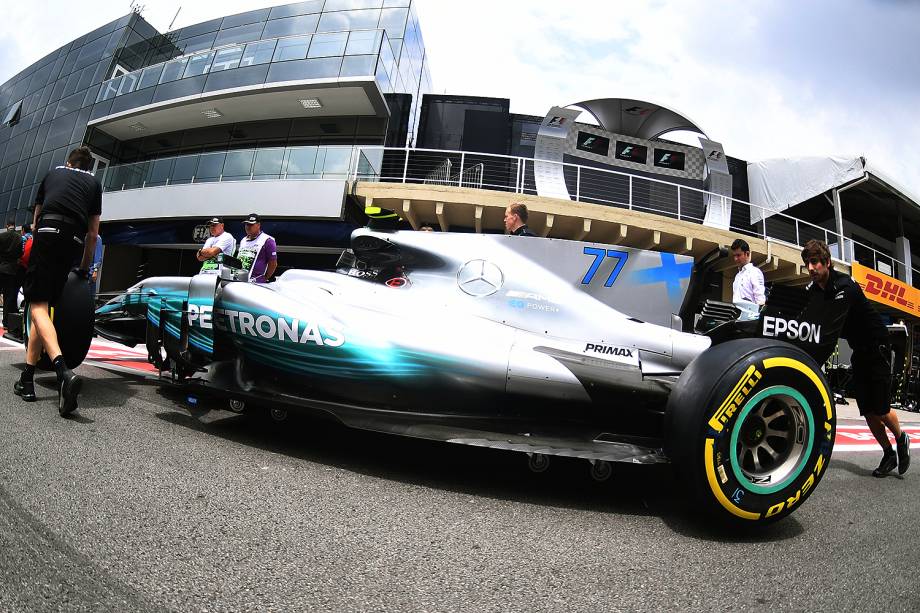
[[735, 398], [887, 290]]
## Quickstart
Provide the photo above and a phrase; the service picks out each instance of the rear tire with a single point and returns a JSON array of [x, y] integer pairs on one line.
[[750, 429], [73, 319]]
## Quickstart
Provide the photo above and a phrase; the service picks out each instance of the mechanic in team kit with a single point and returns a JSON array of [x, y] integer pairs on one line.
[[516, 220], [219, 242], [863, 328], [257, 251], [748, 285], [66, 221]]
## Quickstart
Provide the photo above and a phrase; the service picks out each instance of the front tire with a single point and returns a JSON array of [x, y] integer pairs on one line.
[[750, 429]]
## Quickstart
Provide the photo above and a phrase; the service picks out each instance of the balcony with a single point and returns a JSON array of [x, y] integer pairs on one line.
[[332, 73], [453, 188], [304, 182]]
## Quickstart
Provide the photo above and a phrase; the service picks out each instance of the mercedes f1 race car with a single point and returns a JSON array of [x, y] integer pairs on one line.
[[544, 346]]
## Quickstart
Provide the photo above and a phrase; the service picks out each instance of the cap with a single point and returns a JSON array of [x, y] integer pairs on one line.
[[253, 218], [215, 220]]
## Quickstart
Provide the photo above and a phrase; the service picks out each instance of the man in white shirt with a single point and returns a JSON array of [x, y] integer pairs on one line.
[[218, 242], [748, 285]]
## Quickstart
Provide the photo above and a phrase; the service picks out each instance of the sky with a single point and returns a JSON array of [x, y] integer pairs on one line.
[[767, 79]]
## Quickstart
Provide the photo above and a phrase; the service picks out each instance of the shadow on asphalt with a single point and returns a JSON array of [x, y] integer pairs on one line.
[[475, 471], [862, 471]]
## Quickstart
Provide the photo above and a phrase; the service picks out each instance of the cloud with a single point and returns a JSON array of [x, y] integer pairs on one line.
[[767, 79]]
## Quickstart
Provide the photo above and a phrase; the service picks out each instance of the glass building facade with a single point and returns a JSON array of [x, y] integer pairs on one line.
[[127, 67]]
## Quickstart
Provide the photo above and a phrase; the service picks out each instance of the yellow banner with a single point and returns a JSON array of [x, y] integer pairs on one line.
[[887, 290]]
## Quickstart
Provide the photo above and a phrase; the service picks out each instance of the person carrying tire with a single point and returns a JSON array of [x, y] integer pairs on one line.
[[66, 222], [866, 333]]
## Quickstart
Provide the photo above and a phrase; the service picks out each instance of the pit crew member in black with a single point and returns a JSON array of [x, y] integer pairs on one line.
[[863, 328], [66, 222]]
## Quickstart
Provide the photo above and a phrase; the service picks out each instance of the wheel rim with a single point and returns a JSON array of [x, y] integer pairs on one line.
[[772, 439]]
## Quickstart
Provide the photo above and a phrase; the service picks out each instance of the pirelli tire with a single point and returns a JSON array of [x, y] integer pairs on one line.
[[750, 429]]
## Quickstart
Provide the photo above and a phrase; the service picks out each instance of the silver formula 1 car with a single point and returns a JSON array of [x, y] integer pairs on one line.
[[543, 346]]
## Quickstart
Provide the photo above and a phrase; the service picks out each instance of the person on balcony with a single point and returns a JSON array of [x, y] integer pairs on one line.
[[748, 285], [258, 251], [516, 220], [219, 242]]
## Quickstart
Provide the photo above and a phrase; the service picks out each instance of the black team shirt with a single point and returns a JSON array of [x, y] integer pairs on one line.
[[843, 309], [70, 192]]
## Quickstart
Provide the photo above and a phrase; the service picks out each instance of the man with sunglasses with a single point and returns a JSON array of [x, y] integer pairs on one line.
[[867, 335]]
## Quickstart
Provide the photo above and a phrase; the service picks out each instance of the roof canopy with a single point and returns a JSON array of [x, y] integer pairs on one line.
[[637, 118]]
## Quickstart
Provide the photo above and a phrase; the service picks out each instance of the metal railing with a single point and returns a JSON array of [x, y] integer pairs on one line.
[[469, 177], [440, 175], [493, 172], [605, 187]]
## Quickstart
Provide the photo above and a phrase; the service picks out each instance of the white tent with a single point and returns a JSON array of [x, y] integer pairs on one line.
[[779, 184]]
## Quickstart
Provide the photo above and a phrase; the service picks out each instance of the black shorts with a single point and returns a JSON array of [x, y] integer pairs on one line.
[[872, 378], [56, 249]]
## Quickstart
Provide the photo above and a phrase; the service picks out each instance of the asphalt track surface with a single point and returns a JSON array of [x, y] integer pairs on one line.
[[143, 503]]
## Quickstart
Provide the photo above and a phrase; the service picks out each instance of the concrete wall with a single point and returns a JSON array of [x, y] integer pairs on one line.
[[281, 198]]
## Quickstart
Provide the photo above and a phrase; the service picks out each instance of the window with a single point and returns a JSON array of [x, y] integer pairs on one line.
[[358, 66], [12, 116], [128, 83], [150, 76], [592, 143], [159, 172], [304, 24], [268, 163], [300, 161], [238, 164], [631, 152], [394, 21], [258, 53], [197, 43], [301, 8], [239, 34], [348, 20], [336, 162], [244, 18], [173, 70], [363, 42], [325, 45], [344, 5], [291, 49], [118, 71], [109, 89], [198, 64], [210, 166], [184, 169], [316, 68], [227, 59], [238, 77]]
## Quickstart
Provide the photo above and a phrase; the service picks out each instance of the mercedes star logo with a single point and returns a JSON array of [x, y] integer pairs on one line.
[[480, 278]]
